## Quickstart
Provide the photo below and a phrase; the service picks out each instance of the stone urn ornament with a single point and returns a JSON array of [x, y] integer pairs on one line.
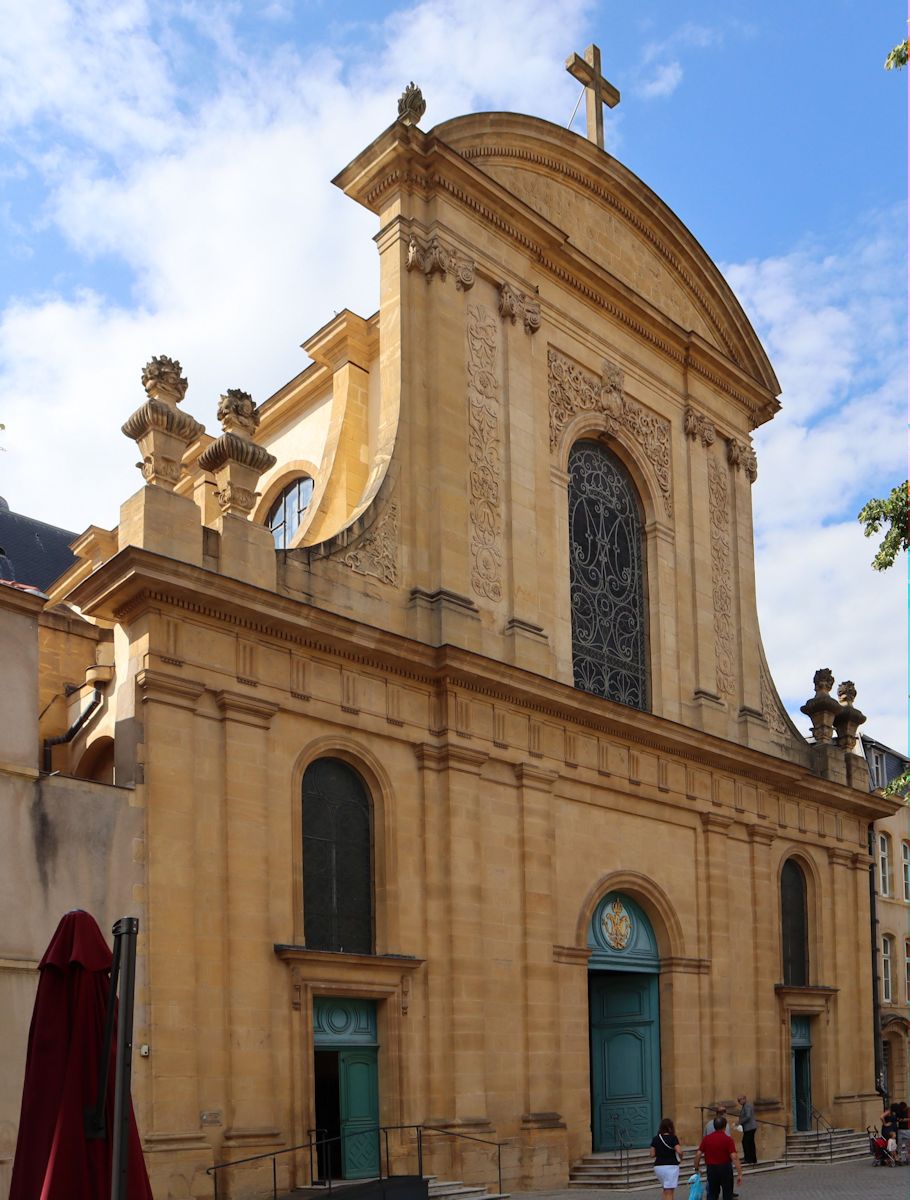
[[160, 429], [235, 459], [822, 707]]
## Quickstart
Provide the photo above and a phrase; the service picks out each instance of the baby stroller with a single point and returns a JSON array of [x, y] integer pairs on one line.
[[883, 1151]]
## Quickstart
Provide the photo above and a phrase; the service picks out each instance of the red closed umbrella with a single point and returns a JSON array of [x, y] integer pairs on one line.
[[54, 1158]]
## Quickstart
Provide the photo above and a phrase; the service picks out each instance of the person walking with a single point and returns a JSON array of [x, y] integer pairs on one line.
[[749, 1126], [666, 1154], [719, 1152], [720, 1111]]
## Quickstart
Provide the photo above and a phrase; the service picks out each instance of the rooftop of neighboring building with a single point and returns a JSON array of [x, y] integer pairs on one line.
[[32, 552], [884, 763]]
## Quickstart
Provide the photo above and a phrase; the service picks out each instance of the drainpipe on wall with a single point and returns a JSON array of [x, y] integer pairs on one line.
[[876, 996], [49, 743]]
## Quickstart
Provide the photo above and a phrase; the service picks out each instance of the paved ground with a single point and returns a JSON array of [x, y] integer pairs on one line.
[[856, 1180]]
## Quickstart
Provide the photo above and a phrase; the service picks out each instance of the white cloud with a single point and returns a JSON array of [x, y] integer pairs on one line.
[[664, 82], [835, 337], [216, 195]]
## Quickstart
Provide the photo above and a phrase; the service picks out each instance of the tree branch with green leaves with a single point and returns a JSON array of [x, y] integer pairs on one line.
[[890, 514]]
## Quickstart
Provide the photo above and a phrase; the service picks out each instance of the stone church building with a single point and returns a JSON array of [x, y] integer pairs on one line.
[[465, 797]]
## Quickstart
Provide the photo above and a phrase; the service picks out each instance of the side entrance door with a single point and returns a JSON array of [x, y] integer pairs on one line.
[[800, 1053], [625, 1059], [359, 1110]]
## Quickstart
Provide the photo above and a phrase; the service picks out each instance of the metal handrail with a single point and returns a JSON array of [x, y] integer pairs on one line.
[[703, 1108], [622, 1135], [382, 1130], [820, 1120]]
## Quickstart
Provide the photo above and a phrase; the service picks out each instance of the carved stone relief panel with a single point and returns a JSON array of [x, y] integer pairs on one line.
[[435, 257], [572, 390], [770, 707], [721, 577], [376, 553], [484, 453]]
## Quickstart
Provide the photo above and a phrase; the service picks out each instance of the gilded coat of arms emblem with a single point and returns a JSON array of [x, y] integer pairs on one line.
[[617, 925]]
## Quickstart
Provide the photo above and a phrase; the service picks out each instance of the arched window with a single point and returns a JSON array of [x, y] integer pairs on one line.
[[794, 925], [884, 864], [337, 859], [887, 968], [606, 573], [287, 511]]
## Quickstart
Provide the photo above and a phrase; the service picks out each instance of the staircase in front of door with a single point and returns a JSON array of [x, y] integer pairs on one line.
[[438, 1189]]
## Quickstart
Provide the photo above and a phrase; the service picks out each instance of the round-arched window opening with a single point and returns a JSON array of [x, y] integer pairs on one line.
[[287, 512]]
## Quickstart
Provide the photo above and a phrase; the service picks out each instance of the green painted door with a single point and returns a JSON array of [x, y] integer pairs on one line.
[[625, 1059], [801, 1071], [358, 1086]]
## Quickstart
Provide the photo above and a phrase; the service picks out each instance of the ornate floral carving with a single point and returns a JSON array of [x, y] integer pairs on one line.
[[741, 457], [771, 708], [411, 105], [376, 553], [698, 426], [435, 257], [163, 379], [161, 430], [237, 412], [484, 451], [514, 304], [722, 591], [572, 390]]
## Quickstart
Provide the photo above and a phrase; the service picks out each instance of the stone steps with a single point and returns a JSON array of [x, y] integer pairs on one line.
[[844, 1145], [608, 1172]]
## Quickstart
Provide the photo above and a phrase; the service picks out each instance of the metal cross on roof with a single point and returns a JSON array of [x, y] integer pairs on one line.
[[599, 91]]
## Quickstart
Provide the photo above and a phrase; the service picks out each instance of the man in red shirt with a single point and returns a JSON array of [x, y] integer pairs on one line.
[[719, 1152]]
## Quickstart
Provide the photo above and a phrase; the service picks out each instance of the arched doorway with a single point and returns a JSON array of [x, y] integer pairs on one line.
[[624, 1017]]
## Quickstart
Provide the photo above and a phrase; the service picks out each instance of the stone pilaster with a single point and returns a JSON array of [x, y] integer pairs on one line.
[[168, 712], [700, 437], [462, 780], [251, 971], [721, 1003], [742, 459], [766, 960]]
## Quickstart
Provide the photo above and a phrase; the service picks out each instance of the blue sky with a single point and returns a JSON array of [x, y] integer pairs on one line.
[[164, 188]]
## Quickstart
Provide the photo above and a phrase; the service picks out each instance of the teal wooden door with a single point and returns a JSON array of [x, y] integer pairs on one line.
[[358, 1086], [625, 1059]]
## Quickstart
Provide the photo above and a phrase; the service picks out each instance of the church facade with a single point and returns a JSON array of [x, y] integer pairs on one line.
[[468, 798]]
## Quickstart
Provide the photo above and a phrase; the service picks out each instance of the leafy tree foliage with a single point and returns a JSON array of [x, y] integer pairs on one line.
[[892, 515], [897, 58]]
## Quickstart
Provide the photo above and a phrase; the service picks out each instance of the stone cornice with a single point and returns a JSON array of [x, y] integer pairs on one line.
[[535, 778], [136, 580], [169, 689], [408, 161], [246, 710], [574, 956]]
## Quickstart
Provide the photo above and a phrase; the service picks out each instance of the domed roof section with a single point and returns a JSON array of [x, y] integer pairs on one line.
[[615, 219]]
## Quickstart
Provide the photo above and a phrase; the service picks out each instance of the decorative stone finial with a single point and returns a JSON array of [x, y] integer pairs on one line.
[[162, 379], [161, 430], [235, 459], [848, 719], [237, 412], [411, 105], [822, 707]]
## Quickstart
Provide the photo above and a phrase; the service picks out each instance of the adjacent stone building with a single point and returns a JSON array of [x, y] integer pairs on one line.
[[467, 796]]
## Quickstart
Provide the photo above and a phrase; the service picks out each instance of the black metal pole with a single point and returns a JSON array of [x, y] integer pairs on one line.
[[126, 928], [95, 1124]]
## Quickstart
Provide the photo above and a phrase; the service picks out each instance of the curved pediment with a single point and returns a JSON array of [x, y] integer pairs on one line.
[[615, 219]]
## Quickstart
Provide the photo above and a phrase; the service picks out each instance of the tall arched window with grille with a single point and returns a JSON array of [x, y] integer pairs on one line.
[[337, 859], [607, 577], [794, 925]]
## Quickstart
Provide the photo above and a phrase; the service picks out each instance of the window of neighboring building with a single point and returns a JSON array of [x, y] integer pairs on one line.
[[337, 859], [907, 970], [884, 864], [794, 925], [607, 577], [905, 867], [887, 968], [286, 513], [876, 763]]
